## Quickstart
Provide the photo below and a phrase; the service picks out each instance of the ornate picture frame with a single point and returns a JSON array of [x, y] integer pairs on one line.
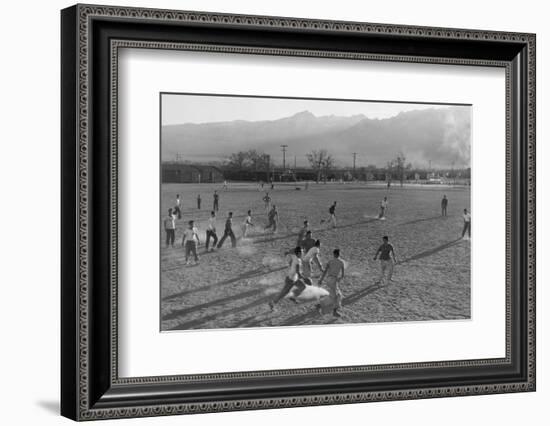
[[91, 37]]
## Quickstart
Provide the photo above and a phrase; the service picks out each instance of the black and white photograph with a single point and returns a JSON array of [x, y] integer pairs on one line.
[[298, 211], [281, 206]]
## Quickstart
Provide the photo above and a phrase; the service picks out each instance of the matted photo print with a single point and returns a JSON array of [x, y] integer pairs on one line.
[[283, 212]]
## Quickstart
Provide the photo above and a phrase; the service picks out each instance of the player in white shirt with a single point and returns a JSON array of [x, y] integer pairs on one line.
[[170, 228], [211, 231], [334, 272], [383, 207], [247, 224], [312, 256], [178, 206], [190, 241], [293, 278], [467, 223]]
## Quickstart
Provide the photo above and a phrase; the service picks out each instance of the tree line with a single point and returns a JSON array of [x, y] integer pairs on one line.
[[321, 162]]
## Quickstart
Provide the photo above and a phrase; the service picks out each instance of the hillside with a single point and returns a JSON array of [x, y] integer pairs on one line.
[[441, 135]]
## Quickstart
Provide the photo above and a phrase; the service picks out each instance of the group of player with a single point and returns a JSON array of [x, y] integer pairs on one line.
[[302, 258]]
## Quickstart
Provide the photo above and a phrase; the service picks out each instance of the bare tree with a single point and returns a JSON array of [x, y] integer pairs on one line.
[[249, 160], [316, 159], [400, 166], [327, 165]]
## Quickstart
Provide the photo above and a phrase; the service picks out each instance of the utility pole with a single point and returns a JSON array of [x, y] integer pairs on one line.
[[354, 155], [284, 147]]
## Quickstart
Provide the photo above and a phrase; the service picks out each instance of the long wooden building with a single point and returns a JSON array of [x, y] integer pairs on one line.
[[174, 172]]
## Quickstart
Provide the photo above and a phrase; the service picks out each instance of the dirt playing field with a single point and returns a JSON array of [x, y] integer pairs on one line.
[[231, 288]]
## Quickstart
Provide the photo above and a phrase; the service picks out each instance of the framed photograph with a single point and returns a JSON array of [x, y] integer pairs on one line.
[[263, 212]]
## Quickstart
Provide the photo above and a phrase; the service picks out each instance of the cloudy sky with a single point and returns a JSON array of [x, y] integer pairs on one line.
[[181, 109]]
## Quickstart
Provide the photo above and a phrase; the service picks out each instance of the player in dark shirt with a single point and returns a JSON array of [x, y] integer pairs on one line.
[[444, 202], [273, 218], [386, 263], [308, 242], [216, 206], [228, 232], [332, 215], [267, 201], [302, 234]]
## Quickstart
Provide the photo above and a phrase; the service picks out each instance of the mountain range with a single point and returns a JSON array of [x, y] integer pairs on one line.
[[441, 136]]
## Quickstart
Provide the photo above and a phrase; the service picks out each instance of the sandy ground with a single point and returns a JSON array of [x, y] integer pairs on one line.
[[231, 288]]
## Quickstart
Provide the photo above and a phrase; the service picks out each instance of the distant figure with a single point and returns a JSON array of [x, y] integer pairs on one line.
[[228, 232], [389, 184], [467, 223], [273, 218], [267, 201], [211, 231], [308, 242], [386, 263], [332, 212], [302, 234], [312, 256], [216, 206], [177, 208], [190, 241], [383, 207], [334, 272], [199, 201], [444, 202], [293, 278], [272, 185], [225, 185], [170, 228], [247, 224]]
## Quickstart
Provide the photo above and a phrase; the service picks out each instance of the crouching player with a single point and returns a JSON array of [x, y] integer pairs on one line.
[[294, 278]]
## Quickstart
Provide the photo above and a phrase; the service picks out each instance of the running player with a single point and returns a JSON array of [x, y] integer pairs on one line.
[[190, 241], [228, 232], [273, 218], [312, 256], [332, 215], [308, 242], [211, 231], [334, 272], [467, 223], [294, 278], [247, 224], [386, 263], [302, 234]]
